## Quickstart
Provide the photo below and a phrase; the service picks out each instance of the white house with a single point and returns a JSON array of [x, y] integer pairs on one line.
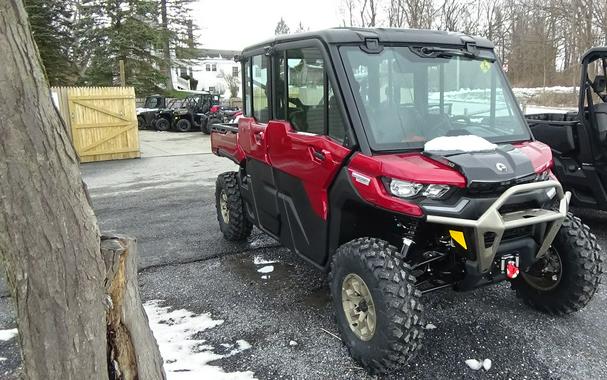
[[206, 72]]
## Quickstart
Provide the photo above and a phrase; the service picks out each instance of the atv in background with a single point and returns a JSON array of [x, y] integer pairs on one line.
[[147, 113], [221, 115], [189, 113], [579, 139]]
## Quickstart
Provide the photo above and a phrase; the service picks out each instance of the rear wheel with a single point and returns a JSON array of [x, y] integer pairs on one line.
[[183, 125], [566, 278], [163, 124], [378, 308], [233, 221], [204, 127], [140, 122]]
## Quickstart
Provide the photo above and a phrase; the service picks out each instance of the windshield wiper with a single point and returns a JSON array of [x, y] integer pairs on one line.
[[434, 52]]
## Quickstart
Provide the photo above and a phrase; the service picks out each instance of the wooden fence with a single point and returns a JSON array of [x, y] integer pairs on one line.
[[102, 121]]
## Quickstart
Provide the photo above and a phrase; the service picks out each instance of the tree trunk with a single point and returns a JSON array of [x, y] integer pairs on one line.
[[49, 240], [166, 45], [132, 349]]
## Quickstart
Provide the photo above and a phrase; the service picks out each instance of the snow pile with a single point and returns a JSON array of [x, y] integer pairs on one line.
[[186, 358], [466, 143], [527, 92], [477, 364], [8, 334], [266, 269]]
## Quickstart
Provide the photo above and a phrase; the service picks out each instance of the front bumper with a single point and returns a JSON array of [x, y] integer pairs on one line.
[[492, 221]]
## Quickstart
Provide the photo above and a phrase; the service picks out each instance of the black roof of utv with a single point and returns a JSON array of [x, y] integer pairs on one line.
[[384, 35]]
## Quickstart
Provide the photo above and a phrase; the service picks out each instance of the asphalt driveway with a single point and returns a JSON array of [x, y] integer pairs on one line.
[[284, 312]]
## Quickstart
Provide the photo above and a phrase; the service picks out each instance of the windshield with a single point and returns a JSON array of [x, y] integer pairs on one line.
[[407, 98]]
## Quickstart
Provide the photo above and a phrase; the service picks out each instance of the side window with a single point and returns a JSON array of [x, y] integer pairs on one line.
[[336, 127], [247, 87], [305, 90], [261, 91]]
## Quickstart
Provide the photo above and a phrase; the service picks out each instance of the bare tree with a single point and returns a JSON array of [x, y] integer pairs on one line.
[[232, 83]]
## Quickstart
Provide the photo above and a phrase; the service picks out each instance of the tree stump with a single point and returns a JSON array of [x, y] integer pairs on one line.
[[132, 349]]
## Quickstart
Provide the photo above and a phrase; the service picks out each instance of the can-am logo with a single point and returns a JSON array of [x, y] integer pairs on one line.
[[501, 167]]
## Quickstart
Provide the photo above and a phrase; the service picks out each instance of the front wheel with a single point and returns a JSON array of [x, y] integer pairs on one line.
[[231, 213], [163, 124], [565, 279], [183, 125], [378, 308]]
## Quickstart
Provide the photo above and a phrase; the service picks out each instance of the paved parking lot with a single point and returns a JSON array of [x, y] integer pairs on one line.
[[284, 313]]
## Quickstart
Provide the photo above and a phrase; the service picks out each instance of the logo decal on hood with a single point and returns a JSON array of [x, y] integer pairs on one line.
[[501, 167]]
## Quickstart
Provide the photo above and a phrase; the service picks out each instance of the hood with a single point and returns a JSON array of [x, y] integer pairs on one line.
[[503, 164]]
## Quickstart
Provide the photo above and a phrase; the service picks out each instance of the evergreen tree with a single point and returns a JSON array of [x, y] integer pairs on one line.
[[50, 22], [282, 27], [114, 30]]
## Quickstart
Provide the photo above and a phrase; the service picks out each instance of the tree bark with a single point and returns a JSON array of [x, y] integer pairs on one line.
[[132, 349], [49, 240]]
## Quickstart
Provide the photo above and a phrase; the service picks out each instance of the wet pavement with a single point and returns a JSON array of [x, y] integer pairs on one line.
[[271, 298]]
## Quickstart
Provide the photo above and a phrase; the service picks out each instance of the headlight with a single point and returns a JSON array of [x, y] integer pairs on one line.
[[404, 189], [435, 191]]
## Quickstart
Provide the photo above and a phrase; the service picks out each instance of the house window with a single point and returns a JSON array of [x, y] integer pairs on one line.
[[208, 67], [211, 89], [235, 71], [214, 67]]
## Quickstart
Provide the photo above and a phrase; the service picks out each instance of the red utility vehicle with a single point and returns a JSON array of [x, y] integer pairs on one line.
[[399, 162]]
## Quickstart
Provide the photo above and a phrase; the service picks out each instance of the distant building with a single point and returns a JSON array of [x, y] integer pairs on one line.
[[206, 71]]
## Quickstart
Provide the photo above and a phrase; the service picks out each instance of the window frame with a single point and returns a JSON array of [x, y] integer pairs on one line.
[[269, 79], [280, 50]]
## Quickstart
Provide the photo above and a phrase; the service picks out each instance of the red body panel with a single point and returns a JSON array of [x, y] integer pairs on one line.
[[539, 154], [375, 192], [227, 143], [251, 139], [295, 153]]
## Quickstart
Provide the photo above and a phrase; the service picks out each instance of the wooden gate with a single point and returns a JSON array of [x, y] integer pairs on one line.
[[103, 122]]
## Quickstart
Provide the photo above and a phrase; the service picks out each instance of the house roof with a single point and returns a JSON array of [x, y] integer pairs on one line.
[[202, 53]]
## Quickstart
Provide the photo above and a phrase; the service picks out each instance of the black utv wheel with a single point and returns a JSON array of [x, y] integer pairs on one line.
[[566, 278], [183, 125], [378, 308], [140, 122], [163, 124], [230, 208], [205, 127]]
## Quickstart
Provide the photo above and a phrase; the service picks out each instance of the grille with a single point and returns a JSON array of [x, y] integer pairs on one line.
[[496, 188]]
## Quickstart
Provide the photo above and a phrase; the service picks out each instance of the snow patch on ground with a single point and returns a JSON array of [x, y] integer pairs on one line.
[[530, 91], [468, 143], [266, 269], [8, 334], [258, 260], [532, 110], [187, 358]]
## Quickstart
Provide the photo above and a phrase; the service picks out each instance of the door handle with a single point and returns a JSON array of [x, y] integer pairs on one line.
[[318, 155]]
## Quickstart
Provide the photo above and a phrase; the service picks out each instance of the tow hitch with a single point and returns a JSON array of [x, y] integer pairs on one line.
[[509, 265]]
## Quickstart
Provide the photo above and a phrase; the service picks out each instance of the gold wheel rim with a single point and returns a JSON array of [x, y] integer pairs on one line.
[[223, 206], [359, 307]]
